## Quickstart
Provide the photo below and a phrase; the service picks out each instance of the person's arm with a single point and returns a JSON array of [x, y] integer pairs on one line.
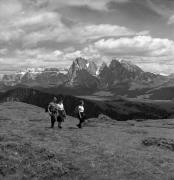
[[64, 111], [79, 112], [57, 109], [49, 112]]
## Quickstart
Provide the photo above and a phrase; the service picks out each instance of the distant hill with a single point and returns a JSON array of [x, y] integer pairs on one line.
[[161, 93], [119, 109], [36, 77]]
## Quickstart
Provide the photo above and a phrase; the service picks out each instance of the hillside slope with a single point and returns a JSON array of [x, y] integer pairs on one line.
[[103, 149], [161, 93], [120, 109]]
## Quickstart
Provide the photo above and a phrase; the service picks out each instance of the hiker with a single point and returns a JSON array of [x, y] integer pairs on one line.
[[80, 114], [61, 113], [53, 111]]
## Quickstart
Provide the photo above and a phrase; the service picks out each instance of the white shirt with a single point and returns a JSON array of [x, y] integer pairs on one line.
[[81, 109], [60, 107]]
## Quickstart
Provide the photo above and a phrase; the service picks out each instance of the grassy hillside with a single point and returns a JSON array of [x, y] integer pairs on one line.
[[119, 109], [162, 93], [103, 149]]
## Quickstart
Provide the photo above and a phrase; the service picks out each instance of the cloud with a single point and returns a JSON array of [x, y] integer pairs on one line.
[[171, 20], [39, 54], [36, 18], [9, 8], [10, 34], [93, 4], [87, 52], [80, 33], [155, 67], [137, 46], [42, 57], [3, 51], [147, 58], [32, 24], [29, 25], [161, 7], [151, 54], [103, 30]]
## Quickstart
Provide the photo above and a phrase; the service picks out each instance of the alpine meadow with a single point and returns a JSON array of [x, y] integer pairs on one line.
[[86, 90]]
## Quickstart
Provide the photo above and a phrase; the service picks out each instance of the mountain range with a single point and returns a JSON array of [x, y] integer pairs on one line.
[[119, 77], [117, 90]]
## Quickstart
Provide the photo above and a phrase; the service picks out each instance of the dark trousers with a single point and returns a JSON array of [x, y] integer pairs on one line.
[[81, 117], [53, 119]]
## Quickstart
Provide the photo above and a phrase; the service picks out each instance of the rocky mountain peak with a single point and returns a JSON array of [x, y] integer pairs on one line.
[[130, 66], [103, 65], [115, 63], [124, 72], [101, 68], [80, 68], [82, 64], [124, 64]]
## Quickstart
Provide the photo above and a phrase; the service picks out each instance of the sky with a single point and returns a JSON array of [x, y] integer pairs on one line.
[[52, 33]]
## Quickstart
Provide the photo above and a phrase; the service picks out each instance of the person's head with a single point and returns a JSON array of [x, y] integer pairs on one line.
[[60, 101], [55, 99], [81, 102]]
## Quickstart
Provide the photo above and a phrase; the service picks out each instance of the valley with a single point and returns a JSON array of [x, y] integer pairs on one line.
[[118, 108]]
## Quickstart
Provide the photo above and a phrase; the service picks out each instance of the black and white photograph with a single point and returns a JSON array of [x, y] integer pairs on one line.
[[86, 89]]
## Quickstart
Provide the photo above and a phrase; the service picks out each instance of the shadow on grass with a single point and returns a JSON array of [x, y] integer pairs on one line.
[[36, 120], [73, 128]]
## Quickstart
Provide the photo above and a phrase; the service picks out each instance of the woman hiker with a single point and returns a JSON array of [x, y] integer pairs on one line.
[[53, 111], [61, 113], [80, 114]]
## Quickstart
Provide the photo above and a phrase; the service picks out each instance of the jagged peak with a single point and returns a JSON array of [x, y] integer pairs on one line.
[[101, 67], [82, 63], [125, 64], [103, 64], [129, 64], [114, 63], [122, 61], [80, 60]]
